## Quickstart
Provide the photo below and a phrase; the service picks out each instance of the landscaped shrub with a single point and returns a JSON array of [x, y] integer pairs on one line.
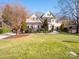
[[38, 30], [30, 30], [1, 31], [52, 29], [5, 29], [42, 30], [65, 29]]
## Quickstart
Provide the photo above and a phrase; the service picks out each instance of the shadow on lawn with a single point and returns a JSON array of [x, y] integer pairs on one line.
[[70, 41]]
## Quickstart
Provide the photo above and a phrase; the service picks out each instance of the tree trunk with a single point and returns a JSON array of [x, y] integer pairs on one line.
[[77, 29], [17, 31], [77, 26]]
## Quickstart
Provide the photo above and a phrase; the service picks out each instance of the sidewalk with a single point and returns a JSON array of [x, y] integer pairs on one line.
[[5, 35]]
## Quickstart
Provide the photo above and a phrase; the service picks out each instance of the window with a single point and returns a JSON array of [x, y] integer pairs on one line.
[[36, 18], [31, 27], [28, 27], [38, 26], [48, 14], [33, 18]]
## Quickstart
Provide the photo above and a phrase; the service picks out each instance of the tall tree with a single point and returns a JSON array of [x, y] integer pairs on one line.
[[6, 14], [70, 8], [19, 17], [16, 17]]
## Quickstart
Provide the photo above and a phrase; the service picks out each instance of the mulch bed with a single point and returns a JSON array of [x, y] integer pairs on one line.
[[17, 36]]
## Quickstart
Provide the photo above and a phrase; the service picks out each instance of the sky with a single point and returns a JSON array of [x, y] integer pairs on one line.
[[35, 5]]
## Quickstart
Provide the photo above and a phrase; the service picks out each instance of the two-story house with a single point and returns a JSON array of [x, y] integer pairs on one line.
[[36, 21]]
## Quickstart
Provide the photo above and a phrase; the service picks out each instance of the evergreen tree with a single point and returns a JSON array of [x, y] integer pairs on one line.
[[62, 27], [45, 25]]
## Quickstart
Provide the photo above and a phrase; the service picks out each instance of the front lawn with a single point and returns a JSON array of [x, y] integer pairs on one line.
[[40, 46]]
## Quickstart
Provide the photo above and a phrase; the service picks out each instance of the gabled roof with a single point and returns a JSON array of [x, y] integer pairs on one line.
[[33, 16], [37, 14], [49, 14]]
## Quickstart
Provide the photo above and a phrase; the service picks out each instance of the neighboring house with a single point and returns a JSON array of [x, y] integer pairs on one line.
[[36, 21], [70, 24]]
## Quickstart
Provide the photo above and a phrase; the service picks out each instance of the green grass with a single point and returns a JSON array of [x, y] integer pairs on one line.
[[40, 46]]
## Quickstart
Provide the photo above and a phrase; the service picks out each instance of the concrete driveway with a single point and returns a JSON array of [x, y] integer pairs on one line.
[[5, 35]]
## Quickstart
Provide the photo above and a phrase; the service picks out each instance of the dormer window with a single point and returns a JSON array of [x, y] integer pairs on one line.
[[33, 18], [48, 14]]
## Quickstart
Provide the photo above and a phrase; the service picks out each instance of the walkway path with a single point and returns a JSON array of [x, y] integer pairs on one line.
[[54, 32], [5, 35]]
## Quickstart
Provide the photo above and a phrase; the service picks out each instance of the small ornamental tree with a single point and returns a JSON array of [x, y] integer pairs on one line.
[[23, 26], [19, 19]]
